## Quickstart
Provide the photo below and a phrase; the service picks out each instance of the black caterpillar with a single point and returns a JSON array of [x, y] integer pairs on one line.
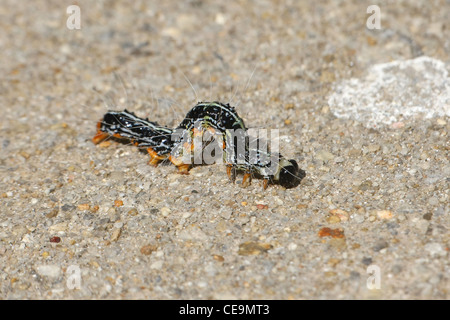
[[222, 120]]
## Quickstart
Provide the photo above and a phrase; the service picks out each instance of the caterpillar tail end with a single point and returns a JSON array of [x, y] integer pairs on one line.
[[100, 135]]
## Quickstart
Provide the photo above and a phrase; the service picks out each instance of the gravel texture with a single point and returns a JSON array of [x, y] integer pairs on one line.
[[80, 221]]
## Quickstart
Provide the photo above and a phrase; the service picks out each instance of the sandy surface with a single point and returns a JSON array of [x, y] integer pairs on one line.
[[130, 231]]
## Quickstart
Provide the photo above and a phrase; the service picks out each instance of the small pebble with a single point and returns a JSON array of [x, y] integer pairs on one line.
[[84, 206], [333, 219], [435, 249], [165, 211], [333, 261], [398, 125], [373, 147], [115, 234], [52, 213], [354, 152], [433, 201], [441, 122], [193, 233], [62, 226], [55, 239], [385, 214], [379, 245], [50, 270], [220, 19], [157, 265], [118, 224], [324, 155], [422, 225], [334, 233], [367, 261], [341, 214], [186, 214], [148, 249], [25, 154], [289, 106], [133, 212], [253, 248], [218, 258]]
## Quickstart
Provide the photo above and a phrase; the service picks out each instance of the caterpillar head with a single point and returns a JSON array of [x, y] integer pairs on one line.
[[290, 174]]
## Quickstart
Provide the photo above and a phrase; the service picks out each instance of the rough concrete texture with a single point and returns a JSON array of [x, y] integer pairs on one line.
[[369, 221]]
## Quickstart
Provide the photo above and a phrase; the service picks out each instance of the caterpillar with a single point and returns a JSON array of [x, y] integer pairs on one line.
[[222, 120]]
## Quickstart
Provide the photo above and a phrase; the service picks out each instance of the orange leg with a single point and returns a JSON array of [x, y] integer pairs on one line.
[[155, 158], [265, 183], [247, 180], [183, 168], [231, 173]]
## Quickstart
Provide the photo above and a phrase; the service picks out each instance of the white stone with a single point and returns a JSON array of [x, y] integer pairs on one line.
[[392, 91]]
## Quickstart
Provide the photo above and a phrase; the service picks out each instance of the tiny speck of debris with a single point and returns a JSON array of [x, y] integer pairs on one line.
[[148, 249], [118, 203], [55, 239], [334, 233], [218, 258]]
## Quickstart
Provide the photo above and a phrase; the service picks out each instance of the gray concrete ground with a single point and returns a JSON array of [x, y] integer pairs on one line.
[[369, 221]]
